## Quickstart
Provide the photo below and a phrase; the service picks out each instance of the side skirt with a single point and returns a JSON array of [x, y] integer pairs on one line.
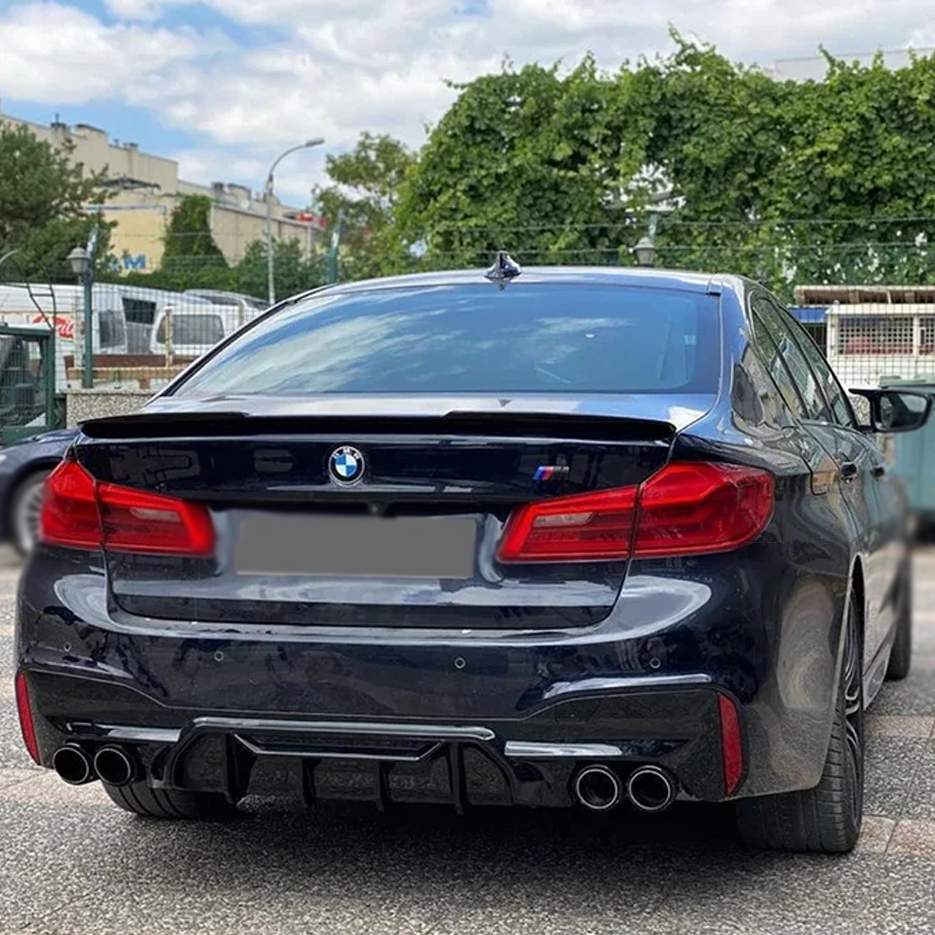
[[875, 673]]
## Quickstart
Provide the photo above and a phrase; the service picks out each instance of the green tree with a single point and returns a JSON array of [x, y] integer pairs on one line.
[[786, 181], [293, 272], [793, 181], [363, 192], [528, 161], [188, 236], [43, 199]]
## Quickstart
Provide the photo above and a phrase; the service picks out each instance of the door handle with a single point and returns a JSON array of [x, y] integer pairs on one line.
[[849, 471], [878, 471]]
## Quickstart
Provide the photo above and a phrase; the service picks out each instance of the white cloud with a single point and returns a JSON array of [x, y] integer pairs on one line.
[[54, 53], [337, 67]]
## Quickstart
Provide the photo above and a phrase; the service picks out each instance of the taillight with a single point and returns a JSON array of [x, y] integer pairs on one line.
[[80, 512], [690, 508], [587, 527], [686, 508], [136, 521], [24, 708], [69, 508]]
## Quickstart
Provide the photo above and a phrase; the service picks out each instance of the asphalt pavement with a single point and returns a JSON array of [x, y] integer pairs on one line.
[[70, 861]]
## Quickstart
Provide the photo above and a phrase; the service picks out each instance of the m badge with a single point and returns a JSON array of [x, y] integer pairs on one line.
[[550, 472]]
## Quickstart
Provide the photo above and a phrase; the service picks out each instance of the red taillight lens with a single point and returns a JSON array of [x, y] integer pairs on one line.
[[684, 509], [690, 508], [69, 508], [136, 521], [586, 527], [24, 709], [79, 512]]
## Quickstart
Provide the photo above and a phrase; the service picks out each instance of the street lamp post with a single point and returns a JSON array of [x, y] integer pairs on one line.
[[645, 252], [645, 249], [308, 144], [82, 263]]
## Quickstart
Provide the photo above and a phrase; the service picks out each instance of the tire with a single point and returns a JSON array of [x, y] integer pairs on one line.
[[22, 518], [901, 653], [174, 804], [826, 819]]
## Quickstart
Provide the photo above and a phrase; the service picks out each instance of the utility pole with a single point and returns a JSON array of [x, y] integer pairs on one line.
[[82, 262]]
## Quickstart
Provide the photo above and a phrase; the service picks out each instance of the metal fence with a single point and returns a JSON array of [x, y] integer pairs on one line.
[[871, 312], [871, 334], [140, 338]]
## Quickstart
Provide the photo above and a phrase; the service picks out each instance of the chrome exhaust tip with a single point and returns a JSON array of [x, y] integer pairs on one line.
[[72, 765], [113, 766], [651, 789], [598, 788]]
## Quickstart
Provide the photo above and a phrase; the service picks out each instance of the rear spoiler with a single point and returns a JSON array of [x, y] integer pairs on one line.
[[214, 424]]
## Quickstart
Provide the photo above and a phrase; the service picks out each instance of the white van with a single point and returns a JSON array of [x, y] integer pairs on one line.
[[143, 305], [222, 297], [22, 305], [62, 307], [190, 330]]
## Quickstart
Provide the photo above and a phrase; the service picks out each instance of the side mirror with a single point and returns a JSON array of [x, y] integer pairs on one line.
[[894, 411]]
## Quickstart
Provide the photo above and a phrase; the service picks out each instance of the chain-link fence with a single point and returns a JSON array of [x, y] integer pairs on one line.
[[139, 337], [152, 313], [872, 334]]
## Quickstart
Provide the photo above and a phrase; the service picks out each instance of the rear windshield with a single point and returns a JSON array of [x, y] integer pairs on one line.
[[529, 338], [192, 329]]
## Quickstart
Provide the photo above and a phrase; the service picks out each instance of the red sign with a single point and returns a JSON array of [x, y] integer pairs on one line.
[[314, 220], [64, 327]]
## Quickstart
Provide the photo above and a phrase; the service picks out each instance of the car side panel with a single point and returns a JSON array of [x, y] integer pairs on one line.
[[854, 466]]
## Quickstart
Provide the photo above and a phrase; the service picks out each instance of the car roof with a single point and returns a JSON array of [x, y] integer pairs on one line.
[[582, 275]]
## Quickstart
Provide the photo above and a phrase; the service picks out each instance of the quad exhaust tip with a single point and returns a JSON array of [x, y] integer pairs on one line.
[[598, 788], [113, 766], [72, 765], [650, 789]]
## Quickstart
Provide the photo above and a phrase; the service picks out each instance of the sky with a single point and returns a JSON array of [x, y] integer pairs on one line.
[[224, 85]]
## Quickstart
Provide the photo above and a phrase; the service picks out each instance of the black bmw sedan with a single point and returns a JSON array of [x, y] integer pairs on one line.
[[569, 538]]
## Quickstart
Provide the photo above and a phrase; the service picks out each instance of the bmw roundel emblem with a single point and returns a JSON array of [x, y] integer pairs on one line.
[[346, 464]]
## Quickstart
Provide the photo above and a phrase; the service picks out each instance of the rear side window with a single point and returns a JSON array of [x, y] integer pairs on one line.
[[833, 390], [776, 366], [529, 338], [770, 319]]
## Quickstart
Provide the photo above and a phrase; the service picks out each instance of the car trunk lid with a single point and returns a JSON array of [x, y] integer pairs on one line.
[[410, 543]]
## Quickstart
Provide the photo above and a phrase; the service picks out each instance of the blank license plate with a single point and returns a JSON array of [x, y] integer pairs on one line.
[[372, 546]]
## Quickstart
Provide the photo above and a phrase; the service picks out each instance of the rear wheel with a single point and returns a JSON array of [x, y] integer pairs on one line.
[[141, 799], [825, 819], [24, 511], [901, 654]]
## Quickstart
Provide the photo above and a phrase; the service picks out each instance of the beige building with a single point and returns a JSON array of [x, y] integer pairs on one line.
[[146, 188]]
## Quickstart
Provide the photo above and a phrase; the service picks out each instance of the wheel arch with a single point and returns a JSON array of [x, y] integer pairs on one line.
[[856, 588]]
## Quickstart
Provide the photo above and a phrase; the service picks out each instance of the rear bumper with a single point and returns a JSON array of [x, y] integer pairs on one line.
[[529, 761], [463, 717]]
